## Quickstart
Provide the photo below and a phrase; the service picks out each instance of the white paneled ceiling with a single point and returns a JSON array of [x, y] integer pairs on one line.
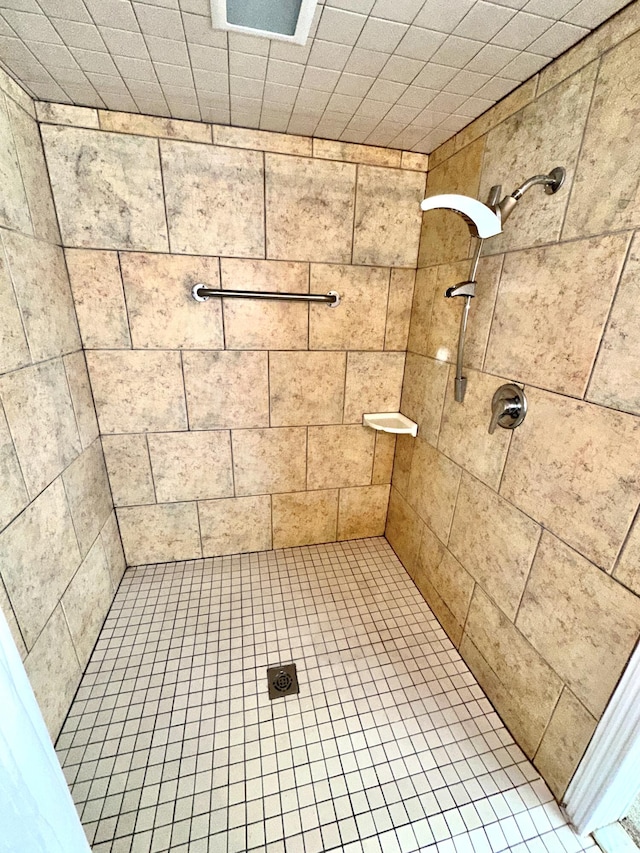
[[399, 73]]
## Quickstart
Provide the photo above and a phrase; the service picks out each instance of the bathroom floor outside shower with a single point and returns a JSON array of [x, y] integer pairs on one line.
[[173, 744]]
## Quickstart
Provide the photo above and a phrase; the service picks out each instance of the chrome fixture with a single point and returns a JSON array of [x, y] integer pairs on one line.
[[201, 293], [508, 407], [484, 221]]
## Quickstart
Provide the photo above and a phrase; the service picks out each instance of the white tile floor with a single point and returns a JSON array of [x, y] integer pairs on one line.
[[173, 744]]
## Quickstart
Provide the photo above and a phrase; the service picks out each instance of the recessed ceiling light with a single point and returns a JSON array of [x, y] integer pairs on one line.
[[287, 20]]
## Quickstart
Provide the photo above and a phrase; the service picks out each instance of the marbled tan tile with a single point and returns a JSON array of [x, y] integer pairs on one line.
[[227, 390], [405, 445], [235, 525], [403, 530], [309, 209], [574, 468], [383, 458], [306, 387], [519, 682], [494, 541], [12, 622], [267, 461], [363, 511], [129, 469], [339, 456], [75, 367], [399, 309], [117, 178], [98, 297], [423, 295], [304, 518], [373, 384], [615, 380], [423, 393], [14, 210], [137, 391], [14, 491], [262, 140], [388, 217], [162, 312], [580, 620], [160, 533], [190, 466], [255, 324], [88, 494], [358, 323], [40, 415], [627, 569], [445, 585], [433, 487], [86, 601], [14, 350], [551, 310], [330, 149], [215, 199], [39, 555], [141, 125], [112, 545], [67, 114]]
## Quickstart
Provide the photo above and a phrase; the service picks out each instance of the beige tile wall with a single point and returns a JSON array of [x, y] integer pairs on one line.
[[236, 425], [60, 552], [527, 543]]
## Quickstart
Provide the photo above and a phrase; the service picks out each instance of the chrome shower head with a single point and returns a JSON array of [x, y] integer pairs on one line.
[[551, 182]]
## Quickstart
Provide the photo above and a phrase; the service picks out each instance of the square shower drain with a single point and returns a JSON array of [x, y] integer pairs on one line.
[[282, 680]]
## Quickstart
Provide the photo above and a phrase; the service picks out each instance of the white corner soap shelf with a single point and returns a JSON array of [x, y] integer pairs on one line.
[[391, 422]]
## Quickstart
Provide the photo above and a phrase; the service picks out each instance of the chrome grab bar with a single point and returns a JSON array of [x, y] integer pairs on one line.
[[201, 293]]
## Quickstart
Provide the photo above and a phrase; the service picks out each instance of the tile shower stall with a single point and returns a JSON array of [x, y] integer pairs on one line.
[[189, 495]]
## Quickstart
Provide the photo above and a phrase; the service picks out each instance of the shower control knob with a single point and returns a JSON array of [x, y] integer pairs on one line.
[[508, 407]]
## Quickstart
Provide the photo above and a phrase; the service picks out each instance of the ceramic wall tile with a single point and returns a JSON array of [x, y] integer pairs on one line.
[[87, 487], [552, 302], [40, 415], [605, 196], [433, 487], [226, 389], [373, 384], [129, 469], [66, 114], [75, 367], [358, 323], [261, 140], [137, 391], [34, 174], [464, 434], [14, 350], [53, 660], [627, 569], [330, 149], [423, 297], [564, 742], [268, 461], [445, 586], [383, 458], [39, 556], [189, 466], [615, 381], [162, 312], [215, 199], [446, 313], [306, 387], [141, 125], [582, 622], [405, 445], [445, 235], [14, 491], [235, 525], [44, 296], [573, 467], [521, 685], [112, 544], [309, 209], [494, 541], [388, 217], [423, 393], [419, 162], [363, 511], [12, 622], [117, 177], [98, 297], [86, 601], [14, 209], [339, 456], [399, 309], [304, 518], [260, 324], [404, 530], [160, 533], [529, 144]]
